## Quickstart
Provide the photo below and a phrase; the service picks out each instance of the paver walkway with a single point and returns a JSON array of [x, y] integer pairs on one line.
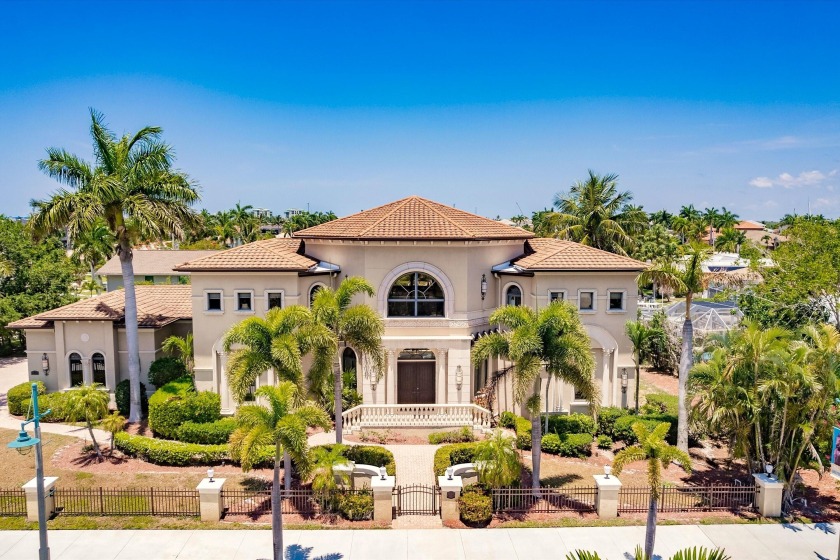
[[742, 542]]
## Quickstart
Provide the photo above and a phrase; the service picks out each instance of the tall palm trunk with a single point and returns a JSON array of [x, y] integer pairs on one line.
[[131, 334], [536, 450], [638, 380], [650, 530], [93, 439], [338, 405], [276, 513], [686, 361], [93, 277], [547, 387], [287, 470]]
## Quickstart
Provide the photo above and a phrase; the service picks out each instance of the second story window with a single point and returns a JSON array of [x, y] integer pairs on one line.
[[556, 295], [214, 301], [616, 301], [416, 295], [244, 301], [274, 299], [513, 296], [586, 300]]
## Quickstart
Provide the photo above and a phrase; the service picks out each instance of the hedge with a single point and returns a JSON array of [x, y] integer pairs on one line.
[[568, 445], [507, 419], [209, 433], [357, 506], [367, 455], [523, 433], [175, 453], [453, 454], [122, 396], [607, 418], [463, 435], [476, 509], [624, 427], [660, 403], [166, 369], [22, 392], [570, 424], [54, 402], [178, 402]]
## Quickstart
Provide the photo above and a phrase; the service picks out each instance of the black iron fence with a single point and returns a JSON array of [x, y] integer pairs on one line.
[[296, 501], [677, 499], [12, 502], [127, 501], [416, 499], [544, 500]]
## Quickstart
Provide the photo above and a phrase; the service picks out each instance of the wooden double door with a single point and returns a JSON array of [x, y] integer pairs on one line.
[[416, 382]]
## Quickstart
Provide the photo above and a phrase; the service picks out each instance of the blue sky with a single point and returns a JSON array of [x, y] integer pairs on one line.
[[488, 106]]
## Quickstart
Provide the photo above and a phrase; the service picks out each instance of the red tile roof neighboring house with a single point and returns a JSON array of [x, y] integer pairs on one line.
[[413, 218], [281, 255], [157, 306], [545, 254], [749, 224]]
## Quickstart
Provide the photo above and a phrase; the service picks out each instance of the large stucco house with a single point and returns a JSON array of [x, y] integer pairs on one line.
[[438, 272]]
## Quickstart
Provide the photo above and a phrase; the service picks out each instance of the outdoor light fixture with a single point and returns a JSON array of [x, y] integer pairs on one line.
[[449, 472], [45, 363], [459, 376], [607, 471], [23, 444], [483, 286], [210, 473], [624, 380], [382, 473], [769, 468]]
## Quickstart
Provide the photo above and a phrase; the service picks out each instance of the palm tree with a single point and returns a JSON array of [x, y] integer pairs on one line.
[[730, 239], [684, 227], [113, 423], [688, 277], [553, 340], [133, 187], [88, 404], [280, 423], [94, 246], [727, 219], [638, 333], [6, 267], [662, 217], [690, 213], [358, 326], [324, 471], [595, 213], [497, 460], [183, 347], [653, 448], [711, 217]]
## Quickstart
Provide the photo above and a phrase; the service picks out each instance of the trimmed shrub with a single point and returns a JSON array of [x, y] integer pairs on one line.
[[463, 435], [453, 454], [568, 445], [604, 442], [624, 427], [476, 509], [570, 424], [122, 396], [660, 403], [175, 453], [166, 369], [54, 402], [523, 433], [178, 402], [357, 506], [607, 418], [368, 455], [209, 433], [20, 393], [507, 420]]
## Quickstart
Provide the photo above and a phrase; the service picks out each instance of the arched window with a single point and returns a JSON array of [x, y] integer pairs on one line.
[[513, 296], [98, 363], [312, 291], [77, 376], [348, 360], [416, 295]]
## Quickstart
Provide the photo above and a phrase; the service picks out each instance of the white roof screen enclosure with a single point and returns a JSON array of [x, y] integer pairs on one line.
[[707, 316]]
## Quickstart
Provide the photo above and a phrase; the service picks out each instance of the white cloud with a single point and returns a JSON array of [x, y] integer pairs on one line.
[[788, 181]]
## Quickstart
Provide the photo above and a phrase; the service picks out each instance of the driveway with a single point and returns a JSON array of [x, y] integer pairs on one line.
[[13, 371]]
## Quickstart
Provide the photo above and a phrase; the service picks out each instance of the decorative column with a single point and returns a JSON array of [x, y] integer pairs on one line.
[[391, 378], [606, 502], [605, 385], [87, 372], [383, 492], [768, 495], [210, 501], [441, 377], [30, 490], [224, 391], [450, 491]]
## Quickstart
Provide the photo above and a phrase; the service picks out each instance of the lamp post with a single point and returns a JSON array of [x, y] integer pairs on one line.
[[22, 445]]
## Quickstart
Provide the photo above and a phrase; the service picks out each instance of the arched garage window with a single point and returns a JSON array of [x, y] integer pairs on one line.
[[77, 377], [513, 296], [98, 363], [416, 295]]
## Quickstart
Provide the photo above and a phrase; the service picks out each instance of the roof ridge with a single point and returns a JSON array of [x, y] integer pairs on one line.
[[560, 249], [400, 204], [428, 204]]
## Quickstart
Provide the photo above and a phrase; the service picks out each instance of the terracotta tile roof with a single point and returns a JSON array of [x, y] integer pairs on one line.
[[157, 306], [414, 218], [557, 254], [749, 224], [153, 262], [266, 254]]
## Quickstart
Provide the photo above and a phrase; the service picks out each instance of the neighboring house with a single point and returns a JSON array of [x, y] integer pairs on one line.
[[428, 264], [755, 232], [85, 342], [151, 266]]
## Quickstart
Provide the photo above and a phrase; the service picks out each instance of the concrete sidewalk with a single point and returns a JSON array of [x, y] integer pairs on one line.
[[742, 542]]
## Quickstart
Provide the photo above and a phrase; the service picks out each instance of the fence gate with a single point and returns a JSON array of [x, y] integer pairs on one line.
[[416, 499]]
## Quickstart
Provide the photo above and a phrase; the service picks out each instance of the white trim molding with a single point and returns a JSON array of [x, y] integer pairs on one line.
[[623, 300], [594, 293], [416, 266]]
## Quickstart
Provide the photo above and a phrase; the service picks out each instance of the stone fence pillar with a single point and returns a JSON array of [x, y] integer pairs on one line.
[[606, 502], [768, 495], [30, 489], [210, 501], [383, 491], [450, 491]]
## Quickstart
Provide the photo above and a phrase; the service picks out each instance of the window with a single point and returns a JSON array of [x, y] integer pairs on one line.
[[244, 301], [586, 300], [149, 279], [616, 299], [273, 299], [578, 396], [416, 295], [313, 291], [556, 295], [98, 362], [76, 375], [513, 296], [214, 301], [348, 360]]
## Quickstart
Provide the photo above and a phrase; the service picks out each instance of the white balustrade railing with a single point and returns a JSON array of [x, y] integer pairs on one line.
[[415, 416]]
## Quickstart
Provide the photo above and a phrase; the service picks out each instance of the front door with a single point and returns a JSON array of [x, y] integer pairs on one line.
[[416, 382]]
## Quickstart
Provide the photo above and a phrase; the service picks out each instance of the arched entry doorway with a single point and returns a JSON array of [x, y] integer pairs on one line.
[[416, 376]]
